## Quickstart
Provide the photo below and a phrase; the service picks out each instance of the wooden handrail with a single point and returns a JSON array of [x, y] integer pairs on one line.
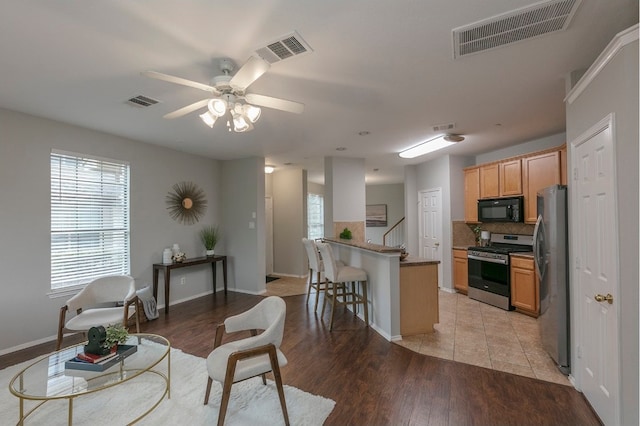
[[384, 237]]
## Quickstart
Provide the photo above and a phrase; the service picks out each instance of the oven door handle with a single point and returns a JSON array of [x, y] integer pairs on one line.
[[486, 259]]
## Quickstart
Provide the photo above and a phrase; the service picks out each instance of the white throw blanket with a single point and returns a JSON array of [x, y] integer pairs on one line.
[[148, 302]]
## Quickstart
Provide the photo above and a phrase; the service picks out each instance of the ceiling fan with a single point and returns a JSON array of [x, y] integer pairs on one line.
[[229, 95]]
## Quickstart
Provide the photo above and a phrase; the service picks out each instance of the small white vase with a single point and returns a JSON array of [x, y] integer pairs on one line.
[[210, 252]]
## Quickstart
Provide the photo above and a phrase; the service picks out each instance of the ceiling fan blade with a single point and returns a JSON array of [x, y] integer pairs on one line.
[[275, 103], [249, 72], [186, 110], [179, 80]]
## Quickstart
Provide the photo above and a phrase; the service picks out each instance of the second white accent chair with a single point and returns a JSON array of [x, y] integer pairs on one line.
[[253, 356], [341, 276]]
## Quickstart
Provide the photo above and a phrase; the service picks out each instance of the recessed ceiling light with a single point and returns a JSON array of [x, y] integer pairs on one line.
[[364, 133], [288, 164], [341, 148], [375, 170], [269, 169]]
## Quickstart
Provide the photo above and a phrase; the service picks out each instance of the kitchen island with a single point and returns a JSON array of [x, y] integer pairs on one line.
[[403, 295]]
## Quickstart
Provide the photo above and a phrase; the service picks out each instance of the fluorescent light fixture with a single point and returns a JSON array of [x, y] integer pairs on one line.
[[269, 169], [427, 146]]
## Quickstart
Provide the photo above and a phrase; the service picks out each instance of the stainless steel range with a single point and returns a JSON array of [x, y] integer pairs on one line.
[[489, 270]]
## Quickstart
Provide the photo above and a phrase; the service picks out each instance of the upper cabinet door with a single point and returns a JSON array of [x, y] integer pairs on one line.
[[511, 178], [471, 194], [538, 172], [490, 181]]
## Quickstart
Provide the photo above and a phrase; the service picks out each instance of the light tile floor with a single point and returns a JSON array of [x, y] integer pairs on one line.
[[475, 333]]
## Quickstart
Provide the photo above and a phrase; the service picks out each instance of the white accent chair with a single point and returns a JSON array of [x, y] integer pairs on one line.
[[341, 276], [253, 356], [96, 305]]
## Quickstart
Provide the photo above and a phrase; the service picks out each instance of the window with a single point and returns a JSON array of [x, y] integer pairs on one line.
[[315, 216], [89, 219]]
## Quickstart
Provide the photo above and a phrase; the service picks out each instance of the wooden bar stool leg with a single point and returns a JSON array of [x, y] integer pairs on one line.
[[318, 288], [333, 304], [365, 302], [310, 284]]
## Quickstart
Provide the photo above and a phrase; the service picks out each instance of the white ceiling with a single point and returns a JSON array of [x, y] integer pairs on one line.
[[380, 66]]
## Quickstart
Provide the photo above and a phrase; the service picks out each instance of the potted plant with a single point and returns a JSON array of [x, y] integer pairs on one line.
[[116, 335], [346, 234], [209, 236]]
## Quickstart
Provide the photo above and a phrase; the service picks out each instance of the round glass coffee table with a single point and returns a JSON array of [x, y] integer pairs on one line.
[[50, 379]]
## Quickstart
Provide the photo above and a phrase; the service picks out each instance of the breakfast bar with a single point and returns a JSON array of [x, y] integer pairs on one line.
[[403, 295]]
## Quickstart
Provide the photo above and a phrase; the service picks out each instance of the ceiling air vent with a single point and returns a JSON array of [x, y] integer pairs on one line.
[[443, 127], [142, 101], [284, 47], [532, 21]]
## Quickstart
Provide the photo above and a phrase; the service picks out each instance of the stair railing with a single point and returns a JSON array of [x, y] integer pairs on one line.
[[394, 237]]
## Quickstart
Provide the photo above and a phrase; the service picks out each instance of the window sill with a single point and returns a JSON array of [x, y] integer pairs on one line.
[[65, 291]]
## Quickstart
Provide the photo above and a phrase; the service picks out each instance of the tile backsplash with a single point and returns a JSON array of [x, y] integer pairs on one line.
[[463, 235]]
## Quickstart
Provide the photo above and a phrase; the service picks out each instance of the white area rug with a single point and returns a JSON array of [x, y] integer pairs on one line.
[[251, 402]]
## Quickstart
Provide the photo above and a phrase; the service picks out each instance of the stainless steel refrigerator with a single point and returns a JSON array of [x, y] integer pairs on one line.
[[550, 247]]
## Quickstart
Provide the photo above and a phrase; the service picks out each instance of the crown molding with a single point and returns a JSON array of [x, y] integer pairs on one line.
[[621, 39]]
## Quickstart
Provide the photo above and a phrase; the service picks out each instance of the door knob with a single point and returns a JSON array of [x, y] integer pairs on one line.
[[601, 298], [436, 244]]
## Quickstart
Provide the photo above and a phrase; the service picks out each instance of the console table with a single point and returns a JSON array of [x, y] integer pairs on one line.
[[167, 267]]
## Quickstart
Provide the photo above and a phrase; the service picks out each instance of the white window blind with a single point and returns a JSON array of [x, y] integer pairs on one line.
[[315, 216], [89, 219]]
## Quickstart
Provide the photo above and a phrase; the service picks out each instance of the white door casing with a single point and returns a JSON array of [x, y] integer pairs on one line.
[[268, 238], [430, 226], [594, 239]]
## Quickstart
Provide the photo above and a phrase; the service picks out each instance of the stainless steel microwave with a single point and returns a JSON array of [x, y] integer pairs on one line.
[[501, 210]]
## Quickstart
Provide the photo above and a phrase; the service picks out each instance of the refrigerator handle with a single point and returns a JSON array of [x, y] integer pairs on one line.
[[538, 243]]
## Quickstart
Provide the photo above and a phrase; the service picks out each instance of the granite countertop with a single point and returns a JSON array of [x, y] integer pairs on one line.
[[417, 261], [408, 261], [528, 254], [365, 246]]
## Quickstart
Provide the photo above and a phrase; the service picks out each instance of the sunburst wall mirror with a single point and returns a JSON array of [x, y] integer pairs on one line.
[[186, 203]]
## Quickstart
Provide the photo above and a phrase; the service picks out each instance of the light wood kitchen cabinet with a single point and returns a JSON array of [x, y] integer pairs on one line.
[[563, 165], [418, 298], [511, 178], [525, 290], [460, 270], [490, 181], [538, 172], [471, 194]]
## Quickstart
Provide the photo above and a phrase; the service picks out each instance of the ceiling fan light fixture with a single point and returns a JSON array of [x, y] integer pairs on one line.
[[252, 112], [208, 118], [217, 107], [240, 123]]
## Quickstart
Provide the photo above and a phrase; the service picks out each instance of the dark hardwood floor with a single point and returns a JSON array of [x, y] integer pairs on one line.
[[374, 382]]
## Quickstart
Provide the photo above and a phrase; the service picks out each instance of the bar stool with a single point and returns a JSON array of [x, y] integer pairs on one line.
[[340, 276], [315, 267]]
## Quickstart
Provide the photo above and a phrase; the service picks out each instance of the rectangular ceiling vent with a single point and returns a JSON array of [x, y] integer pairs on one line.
[[284, 47], [522, 24], [443, 127], [142, 101]]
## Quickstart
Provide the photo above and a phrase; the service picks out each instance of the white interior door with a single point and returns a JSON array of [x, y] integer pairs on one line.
[[430, 226], [595, 232], [268, 238]]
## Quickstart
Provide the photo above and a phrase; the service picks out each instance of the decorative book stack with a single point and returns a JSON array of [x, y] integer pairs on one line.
[[93, 362]]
